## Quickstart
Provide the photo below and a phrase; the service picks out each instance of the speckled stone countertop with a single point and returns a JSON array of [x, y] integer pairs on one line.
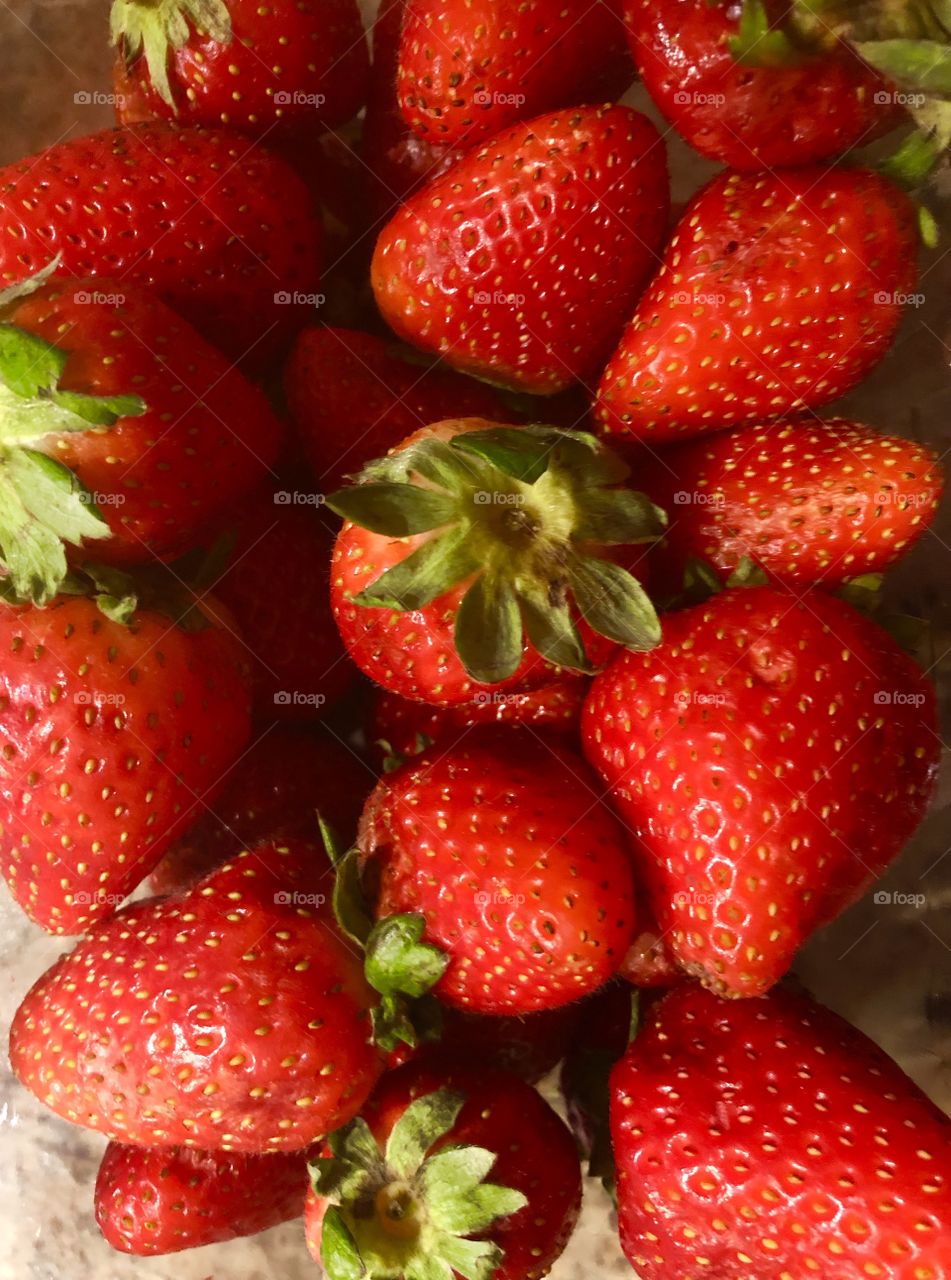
[[885, 966]]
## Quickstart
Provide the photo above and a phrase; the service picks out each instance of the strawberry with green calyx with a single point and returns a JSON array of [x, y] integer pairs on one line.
[[490, 555], [444, 1153]]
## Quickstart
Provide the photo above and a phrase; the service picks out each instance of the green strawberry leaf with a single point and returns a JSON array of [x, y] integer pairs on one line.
[[552, 630], [620, 517], [421, 1125], [473, 1259], [355, 1144], [488, 630], [613, 603], [394, 510], [914, 64], [116, 594], [427, 573], [28, 364], [339, 1255], [349, 905], [757, 44], [451, 1174], [157, 27], [427, 1267], [14, 292], [398, 962], [519, 453]]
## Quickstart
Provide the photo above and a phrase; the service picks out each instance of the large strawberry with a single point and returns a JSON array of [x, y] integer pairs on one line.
[[158, 1202], [222, 230], [773, 754], [115, 734], [522, 263], [124, 431], [470, 69], [470, 537], [445, 1152], [778, 291], [285, 70], [770, 1138], [233, 1016], [809, 501]]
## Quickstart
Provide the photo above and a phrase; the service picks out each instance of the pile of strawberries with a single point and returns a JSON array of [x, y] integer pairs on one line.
[[576, 704]]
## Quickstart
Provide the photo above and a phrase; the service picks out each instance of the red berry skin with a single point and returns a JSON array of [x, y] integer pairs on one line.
[[768, 1137], [522, 263], [750, 117], [649, 964], [114, 737], [208, 435], [157, 1202], [231, 1017], [467, 71], [777, 292], [773, 755], [224, 232], [277, 788], [353, 397], [809, 501], [523, 878], [536, 1155]]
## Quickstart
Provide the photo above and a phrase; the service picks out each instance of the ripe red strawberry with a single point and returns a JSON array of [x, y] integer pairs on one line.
[[522, 263], [770, 1138], [224, 232], [277, 788], [522, 878], [139, 429], [805, 104], [233, 1016], [285, 71], [445, 1152], [778, 291], [773, 755], [468, 70], [114, 736], [158, 1202], [525, 539], [354, 396], [809, 501]]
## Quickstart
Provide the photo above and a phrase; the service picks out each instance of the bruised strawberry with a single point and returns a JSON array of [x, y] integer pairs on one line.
[[649, 963]]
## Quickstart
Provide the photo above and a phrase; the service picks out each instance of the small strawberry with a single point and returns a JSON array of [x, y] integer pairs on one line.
[[223, 231], [777, 292], [354, 396], [402, 1191], [233, 1016], [159, 1202], [114, 735], [809, 501], [524, 536], [769, 1138], [279, 72], [649, 964], [522, 263], [773, 755], [469, 69]]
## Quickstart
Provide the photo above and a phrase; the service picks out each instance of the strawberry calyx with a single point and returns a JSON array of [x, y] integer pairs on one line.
[[400, 1211], [156, 28], [518, 514]]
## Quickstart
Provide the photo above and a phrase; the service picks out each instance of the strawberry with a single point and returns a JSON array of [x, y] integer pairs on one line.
[[402, 1191], [773, 755], [777, 292], [468, 70], [649, 963], [233, 1016], [284, 71], [521, 878], [529, 538], [158, 1202], [770, 1138], [114, 735], [278, 788], [222, 231], [809, 501], [353, 396], [125, 432], [528, 1047], [522, 263]]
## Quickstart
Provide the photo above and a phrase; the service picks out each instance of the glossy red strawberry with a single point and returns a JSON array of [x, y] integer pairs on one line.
[[286, 70], [522, 263], [158, 1202], [114, 735], [447, 1152], [233, 1016], [773, 755], [522, 878], [354, 396], [809, 501], [222, 231], [770, 1138], [778, 292], [468, 70]]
